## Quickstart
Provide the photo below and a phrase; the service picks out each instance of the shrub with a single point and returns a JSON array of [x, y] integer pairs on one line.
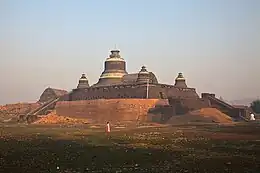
[[255, 106]]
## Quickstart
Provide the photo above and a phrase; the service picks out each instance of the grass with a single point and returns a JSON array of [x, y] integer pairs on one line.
[[204, 148]]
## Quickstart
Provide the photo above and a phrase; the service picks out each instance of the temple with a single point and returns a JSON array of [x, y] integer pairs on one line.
[[116, 82]]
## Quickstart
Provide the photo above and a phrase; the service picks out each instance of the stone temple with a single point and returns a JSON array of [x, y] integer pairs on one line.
[[116, 82], [119, 94]]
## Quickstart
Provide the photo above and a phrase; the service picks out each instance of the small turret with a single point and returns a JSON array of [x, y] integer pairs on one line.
[[143, 75], [180, 81], [83, 82], [115, 54]]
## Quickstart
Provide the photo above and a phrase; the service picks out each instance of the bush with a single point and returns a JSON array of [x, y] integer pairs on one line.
[[255, 106]]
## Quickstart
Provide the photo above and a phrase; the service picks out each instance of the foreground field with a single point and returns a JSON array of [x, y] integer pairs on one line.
[[200, 148]]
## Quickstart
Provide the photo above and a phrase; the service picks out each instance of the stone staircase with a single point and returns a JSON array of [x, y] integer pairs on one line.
[[43, 109], [228, 107]]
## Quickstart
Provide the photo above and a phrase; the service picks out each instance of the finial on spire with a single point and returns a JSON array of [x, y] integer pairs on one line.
[[83, 75]]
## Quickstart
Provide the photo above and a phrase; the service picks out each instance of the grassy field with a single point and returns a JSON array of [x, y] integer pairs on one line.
[[187, 149]]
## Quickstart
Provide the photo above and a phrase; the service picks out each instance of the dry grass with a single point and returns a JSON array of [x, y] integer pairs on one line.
[[204, 148]]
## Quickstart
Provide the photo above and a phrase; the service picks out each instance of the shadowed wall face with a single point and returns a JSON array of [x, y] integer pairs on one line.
[[183, 106]]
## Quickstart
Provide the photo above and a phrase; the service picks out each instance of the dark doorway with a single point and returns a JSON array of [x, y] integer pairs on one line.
[[161, 95]]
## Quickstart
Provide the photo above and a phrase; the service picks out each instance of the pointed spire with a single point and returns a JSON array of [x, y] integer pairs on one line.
[[83, 76], [143, 70]]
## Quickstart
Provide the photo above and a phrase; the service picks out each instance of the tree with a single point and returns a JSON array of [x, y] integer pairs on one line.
[[255, 106]]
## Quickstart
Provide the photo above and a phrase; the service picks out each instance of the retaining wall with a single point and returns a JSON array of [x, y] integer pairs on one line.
[[112, 110]]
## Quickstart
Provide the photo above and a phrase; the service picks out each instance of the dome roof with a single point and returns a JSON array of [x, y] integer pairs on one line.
[[114, 70]]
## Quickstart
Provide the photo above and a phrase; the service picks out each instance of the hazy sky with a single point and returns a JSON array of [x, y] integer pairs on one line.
[[215, 43]]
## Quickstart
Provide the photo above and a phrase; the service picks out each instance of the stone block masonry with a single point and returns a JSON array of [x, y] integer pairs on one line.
[[133, 91], [112, 110]]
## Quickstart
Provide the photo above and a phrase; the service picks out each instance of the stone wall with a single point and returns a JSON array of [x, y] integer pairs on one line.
[[177, 106], [47, 95], [183, 106], [155, 91], [161, 114], [112, 110], [233, 111], [50, 94]]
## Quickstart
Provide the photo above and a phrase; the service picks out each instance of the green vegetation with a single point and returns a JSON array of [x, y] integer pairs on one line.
[[185, 149], [255, 106]]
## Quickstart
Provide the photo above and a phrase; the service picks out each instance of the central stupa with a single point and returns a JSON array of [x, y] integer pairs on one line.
[[114, 69]]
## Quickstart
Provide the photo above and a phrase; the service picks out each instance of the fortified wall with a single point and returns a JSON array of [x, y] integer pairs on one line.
[[155, 91], [112, 110]]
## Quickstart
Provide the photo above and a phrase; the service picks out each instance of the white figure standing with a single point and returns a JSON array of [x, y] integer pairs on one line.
[[252, 117], [108, 127]]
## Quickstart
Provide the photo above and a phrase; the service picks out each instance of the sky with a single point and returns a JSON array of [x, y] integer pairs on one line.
[[215, 44]]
